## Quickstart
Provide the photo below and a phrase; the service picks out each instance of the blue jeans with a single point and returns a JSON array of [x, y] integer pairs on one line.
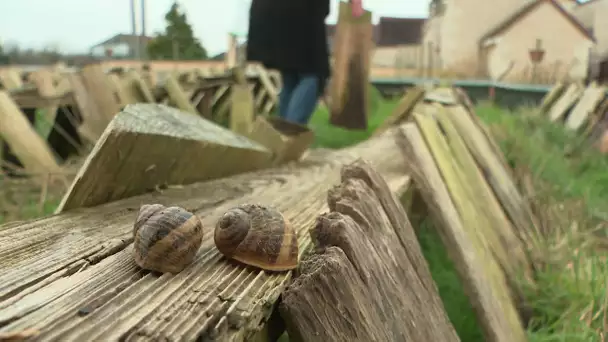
[[298, 97]]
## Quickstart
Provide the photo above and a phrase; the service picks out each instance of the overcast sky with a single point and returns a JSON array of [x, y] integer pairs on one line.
[[75, 25]]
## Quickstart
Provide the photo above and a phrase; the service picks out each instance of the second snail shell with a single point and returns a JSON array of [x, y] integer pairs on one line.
[[259, 236]]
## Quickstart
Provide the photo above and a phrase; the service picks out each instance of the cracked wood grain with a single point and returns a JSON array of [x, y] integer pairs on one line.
[[51, 286], [369, 280]]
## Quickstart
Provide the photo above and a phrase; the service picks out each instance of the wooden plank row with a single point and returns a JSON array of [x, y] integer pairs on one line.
[[81, 260], [88, 100]]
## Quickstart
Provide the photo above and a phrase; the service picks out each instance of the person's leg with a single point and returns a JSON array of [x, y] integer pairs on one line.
[[304, 99], [290, 81]]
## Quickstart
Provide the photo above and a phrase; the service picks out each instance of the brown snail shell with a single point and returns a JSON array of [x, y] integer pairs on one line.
[[166, 239], [259, 236]]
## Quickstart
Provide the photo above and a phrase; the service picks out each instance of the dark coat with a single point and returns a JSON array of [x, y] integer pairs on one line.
[[289, 35]]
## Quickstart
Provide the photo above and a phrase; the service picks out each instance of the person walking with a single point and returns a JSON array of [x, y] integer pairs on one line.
[[290, 36]]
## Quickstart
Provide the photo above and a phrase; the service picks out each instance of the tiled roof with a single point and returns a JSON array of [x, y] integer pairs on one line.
[[521, 12]]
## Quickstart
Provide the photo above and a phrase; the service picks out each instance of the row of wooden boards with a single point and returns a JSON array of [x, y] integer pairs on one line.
[[577, 106], [81, 258], [91, 98]]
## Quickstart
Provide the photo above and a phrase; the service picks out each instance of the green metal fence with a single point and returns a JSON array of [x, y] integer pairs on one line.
[[505, 94]]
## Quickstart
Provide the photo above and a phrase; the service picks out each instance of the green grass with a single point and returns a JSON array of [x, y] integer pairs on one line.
[[571, 181], [450, 288], [329, 136]]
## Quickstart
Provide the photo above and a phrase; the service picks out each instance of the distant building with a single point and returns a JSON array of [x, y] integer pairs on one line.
[[495, 39], [391, 31], [396, 42], [121, 46]]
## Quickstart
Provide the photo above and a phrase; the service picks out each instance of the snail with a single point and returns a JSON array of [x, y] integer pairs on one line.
[[258, 236], [166, 239]]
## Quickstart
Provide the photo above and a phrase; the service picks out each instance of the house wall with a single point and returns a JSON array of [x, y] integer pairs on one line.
[[400, 56], [458, 30], [118, 50], [566, 47], [431, 43]]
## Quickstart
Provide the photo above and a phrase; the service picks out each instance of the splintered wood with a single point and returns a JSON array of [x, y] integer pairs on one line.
[[485, 224], [147, 146], [72, 277], [368, 280]]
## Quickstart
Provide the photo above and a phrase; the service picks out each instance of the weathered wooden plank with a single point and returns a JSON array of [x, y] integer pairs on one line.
[[349, 82], [150, 145], [403, 110], [149, 76], [178, 96], [124, 96], [10, 78], [43, 80], [288, 141], [561, 106], [591, 98], [81, 260], [139, 84], [466, 102], [346, 293], [597, 122], [93, 122], [242, 111], [496, 172], [267, 83], [32, 151], [548, 100], [443, 95], [507, 246], [100, 88], [483, 279], [28, 97]]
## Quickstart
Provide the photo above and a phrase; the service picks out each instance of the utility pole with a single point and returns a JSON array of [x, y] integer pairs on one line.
[[134, 29], [142, 42]]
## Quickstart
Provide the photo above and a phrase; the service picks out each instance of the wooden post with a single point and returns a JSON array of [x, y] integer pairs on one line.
[[29, 147], [242, 111], [350, 76], [231, 57]]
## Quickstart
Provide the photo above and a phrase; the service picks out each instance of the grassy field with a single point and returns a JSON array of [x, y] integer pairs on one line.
[[572, 199]]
